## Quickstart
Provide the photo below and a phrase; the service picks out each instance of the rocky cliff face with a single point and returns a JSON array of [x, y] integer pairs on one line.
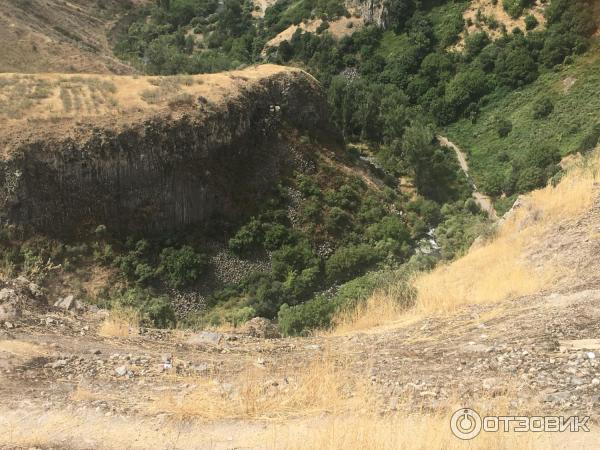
[[372, 11], [163, 171]]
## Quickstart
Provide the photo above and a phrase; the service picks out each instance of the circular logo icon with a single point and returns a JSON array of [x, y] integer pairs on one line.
[[465, 424]]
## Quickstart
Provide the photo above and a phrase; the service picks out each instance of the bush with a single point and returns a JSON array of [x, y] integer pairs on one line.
[[249, 238], [542, 108], [299, 319], [493, 184], [240, 316], [160, 312], [292, 258], [530, 178], [590, 141], [154, 310], [276, 236], [531, 22], [267, 298], [322, 27], [504, 127], [389, 227], [337, 221], [181, 267], [351, 261], [514, 8]]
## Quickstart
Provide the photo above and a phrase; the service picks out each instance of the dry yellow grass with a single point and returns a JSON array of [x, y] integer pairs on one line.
[[338, 28], [21, 348], [376, 311], [57, 97], [498, 269], [122, 322], [355, 426], [259, 393], [81, 394]]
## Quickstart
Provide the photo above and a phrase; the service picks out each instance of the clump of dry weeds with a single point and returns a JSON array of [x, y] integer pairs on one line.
[[121, 322], [323, 386]]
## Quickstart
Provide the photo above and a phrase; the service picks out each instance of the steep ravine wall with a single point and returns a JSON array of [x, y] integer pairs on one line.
[[165, 171]]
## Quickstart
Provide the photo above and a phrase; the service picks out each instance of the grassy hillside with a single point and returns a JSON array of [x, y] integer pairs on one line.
[[60, 36], [571, 125]]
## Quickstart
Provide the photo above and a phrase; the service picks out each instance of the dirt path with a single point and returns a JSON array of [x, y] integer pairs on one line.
[[484, 202]]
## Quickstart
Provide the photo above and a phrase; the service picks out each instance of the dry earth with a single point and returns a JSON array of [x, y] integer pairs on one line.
[[60, 36], [489, 8], [338, 28]]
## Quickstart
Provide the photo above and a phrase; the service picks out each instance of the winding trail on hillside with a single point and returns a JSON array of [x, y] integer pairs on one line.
[[484, 202]]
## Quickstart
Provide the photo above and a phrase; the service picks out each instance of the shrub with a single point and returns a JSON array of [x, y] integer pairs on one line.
[[542, 108], [590, 141], [493, 184], [299, 319], [476, 42], [248, 238], [337, 221], [390, 227], [154, 310], [504, 127], [181, 267], [299, 286], [292, 258], [240, 316], [160, 312], [143, 273], [322, 27], [530, 22], [277, 235], [267, 298], [351, 261], [514, 8], [530, 178]]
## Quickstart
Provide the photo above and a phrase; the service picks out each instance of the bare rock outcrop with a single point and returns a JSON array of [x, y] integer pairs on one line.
[[160, 170]]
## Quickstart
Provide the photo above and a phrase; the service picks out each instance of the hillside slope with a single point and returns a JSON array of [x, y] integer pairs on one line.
[[59, 36], [511, 328], [571, 123]]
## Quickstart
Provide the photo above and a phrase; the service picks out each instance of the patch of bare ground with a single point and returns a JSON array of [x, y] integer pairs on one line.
[[60, 36], [490, 16], [338, 28]]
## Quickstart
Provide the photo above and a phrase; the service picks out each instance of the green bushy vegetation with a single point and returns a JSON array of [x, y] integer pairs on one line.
[[555, 116], [502, 100], [319, 312]]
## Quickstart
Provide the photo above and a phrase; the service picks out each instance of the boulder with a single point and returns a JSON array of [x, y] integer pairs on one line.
[[10, 304], [27, 288], [261, 328], [205, 337], [9, 311], [67, 303]]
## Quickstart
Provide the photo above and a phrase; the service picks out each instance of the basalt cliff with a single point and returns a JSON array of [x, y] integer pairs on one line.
[[149, 154]]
